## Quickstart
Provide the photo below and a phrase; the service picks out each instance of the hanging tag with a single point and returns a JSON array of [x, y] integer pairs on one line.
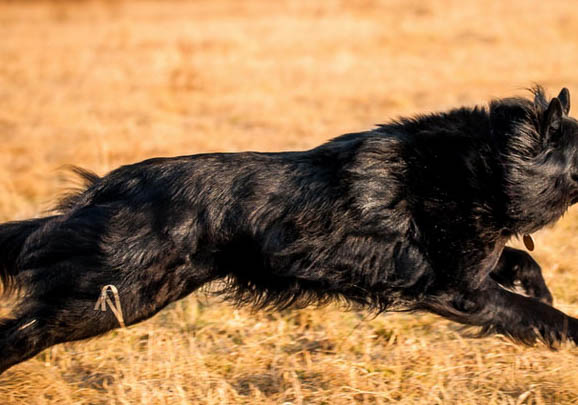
[[529, 242]]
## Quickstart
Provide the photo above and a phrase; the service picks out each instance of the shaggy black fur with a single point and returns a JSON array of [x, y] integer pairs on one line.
[[413, 215]]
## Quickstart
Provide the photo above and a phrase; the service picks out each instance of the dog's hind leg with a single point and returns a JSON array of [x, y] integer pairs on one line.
[[497, 310], [70, 308], [63, 268], [518, 266], [40, 321], [19, 341]]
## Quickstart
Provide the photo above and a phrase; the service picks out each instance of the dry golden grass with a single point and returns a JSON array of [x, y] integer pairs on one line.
[[100, 84]]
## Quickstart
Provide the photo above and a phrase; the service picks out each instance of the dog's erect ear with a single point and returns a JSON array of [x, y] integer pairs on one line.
[[564, 98], [552, 118]]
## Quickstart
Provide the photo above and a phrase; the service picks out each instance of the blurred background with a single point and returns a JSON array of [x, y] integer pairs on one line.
[[104, 83]]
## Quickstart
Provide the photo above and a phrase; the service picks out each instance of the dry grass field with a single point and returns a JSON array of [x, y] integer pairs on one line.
[[101, 84]]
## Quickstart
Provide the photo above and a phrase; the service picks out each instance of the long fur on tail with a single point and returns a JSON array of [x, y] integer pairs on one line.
[[75, 195], [13, 235]]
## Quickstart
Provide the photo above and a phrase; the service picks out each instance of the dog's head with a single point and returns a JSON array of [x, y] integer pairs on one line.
[[559, 133], [537, 144]]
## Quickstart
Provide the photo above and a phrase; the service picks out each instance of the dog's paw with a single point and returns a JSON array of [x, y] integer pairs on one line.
[[539, 292], [528, 274]]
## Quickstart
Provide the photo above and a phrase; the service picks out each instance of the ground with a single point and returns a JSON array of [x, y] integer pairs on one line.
[[101, 84]]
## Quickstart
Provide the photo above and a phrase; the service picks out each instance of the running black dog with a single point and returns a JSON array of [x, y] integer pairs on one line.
[[413, 215]]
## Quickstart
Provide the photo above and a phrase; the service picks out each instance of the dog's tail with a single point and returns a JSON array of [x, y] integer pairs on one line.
[[13, 236]]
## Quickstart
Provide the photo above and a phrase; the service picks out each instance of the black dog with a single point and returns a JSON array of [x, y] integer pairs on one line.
[[413, 215]]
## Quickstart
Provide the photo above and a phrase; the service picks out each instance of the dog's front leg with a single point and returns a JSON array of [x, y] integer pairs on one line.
[[518, 266], [497, 310]]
